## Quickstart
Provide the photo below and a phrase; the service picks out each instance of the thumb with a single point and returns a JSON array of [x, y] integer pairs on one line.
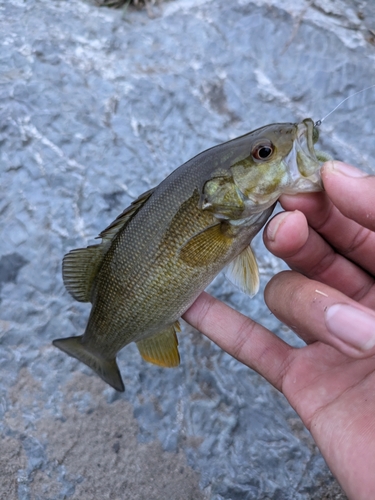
[[351, 191]]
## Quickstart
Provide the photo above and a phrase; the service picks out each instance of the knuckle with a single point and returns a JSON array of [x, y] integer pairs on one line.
[[323, 265], [359, 240], [242, 337]]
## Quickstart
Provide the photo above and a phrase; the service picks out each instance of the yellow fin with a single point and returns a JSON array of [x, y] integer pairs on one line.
[[205, 247], [161, 349], [107, 369], [80, 266], [110, 232], [243, 272]]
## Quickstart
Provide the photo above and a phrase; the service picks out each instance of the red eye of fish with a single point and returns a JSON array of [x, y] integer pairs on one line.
[[262, 151]]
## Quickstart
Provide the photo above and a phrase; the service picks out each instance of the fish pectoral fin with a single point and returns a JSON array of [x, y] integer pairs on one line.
[[80, 267], [243, 272], [110, 232], [206, 246], [161, 349], [107, 369]]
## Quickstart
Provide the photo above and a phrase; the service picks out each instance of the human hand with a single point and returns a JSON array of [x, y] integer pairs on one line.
[[328, 300]]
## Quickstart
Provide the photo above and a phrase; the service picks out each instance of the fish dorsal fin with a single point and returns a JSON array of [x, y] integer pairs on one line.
[[81, 265], [206, 247], [161, 349], [243, 272], [110, 232]]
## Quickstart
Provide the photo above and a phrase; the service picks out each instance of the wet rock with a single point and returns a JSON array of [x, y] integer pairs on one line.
[[97, 106]]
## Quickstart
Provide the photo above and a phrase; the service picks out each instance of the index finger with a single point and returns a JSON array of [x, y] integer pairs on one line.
[[344, 215]]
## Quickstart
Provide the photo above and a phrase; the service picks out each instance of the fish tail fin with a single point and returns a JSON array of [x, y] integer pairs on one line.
[[107, 369]]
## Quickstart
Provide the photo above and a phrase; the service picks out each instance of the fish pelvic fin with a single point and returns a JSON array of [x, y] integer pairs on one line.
[[107, 369], [161, 349], [243, 272]]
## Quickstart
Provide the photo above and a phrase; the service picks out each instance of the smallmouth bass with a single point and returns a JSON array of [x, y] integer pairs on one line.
[[168, 245]]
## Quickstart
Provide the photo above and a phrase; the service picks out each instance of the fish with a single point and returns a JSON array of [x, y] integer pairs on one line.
[[163, 250]]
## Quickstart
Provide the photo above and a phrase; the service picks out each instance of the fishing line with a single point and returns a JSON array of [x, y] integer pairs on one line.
[[319, 122]]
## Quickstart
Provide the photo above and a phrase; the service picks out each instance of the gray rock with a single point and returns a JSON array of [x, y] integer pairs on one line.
[[97, 106]]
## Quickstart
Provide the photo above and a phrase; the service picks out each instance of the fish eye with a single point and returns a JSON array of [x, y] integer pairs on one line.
[[262, 151]]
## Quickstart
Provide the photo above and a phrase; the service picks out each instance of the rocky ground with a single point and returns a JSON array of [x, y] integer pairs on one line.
[[96, 106]]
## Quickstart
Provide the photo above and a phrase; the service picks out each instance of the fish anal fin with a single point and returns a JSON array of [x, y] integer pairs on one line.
[[80, 267], [243, 272], [107, 369], [206, 246], [110, 232], [161, 349]]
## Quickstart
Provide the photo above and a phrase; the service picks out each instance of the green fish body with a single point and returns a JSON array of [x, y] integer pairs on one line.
[[162, 251]]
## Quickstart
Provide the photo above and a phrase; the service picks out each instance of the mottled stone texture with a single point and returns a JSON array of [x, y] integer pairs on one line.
[[97, 106]]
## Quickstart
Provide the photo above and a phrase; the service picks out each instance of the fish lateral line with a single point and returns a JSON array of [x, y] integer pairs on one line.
[[319, 122]]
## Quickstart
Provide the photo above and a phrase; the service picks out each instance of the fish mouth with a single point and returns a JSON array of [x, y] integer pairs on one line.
[[303, 163], [307, 135]]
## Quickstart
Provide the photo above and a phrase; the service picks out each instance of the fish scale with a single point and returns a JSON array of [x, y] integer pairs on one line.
[[140, 288], [163, 250]]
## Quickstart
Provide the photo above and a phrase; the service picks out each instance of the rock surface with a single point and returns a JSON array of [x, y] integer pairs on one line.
[[97, 106]]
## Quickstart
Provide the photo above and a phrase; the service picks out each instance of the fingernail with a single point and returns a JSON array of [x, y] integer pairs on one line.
[[274, 225], [337, 167], [351, 325]]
